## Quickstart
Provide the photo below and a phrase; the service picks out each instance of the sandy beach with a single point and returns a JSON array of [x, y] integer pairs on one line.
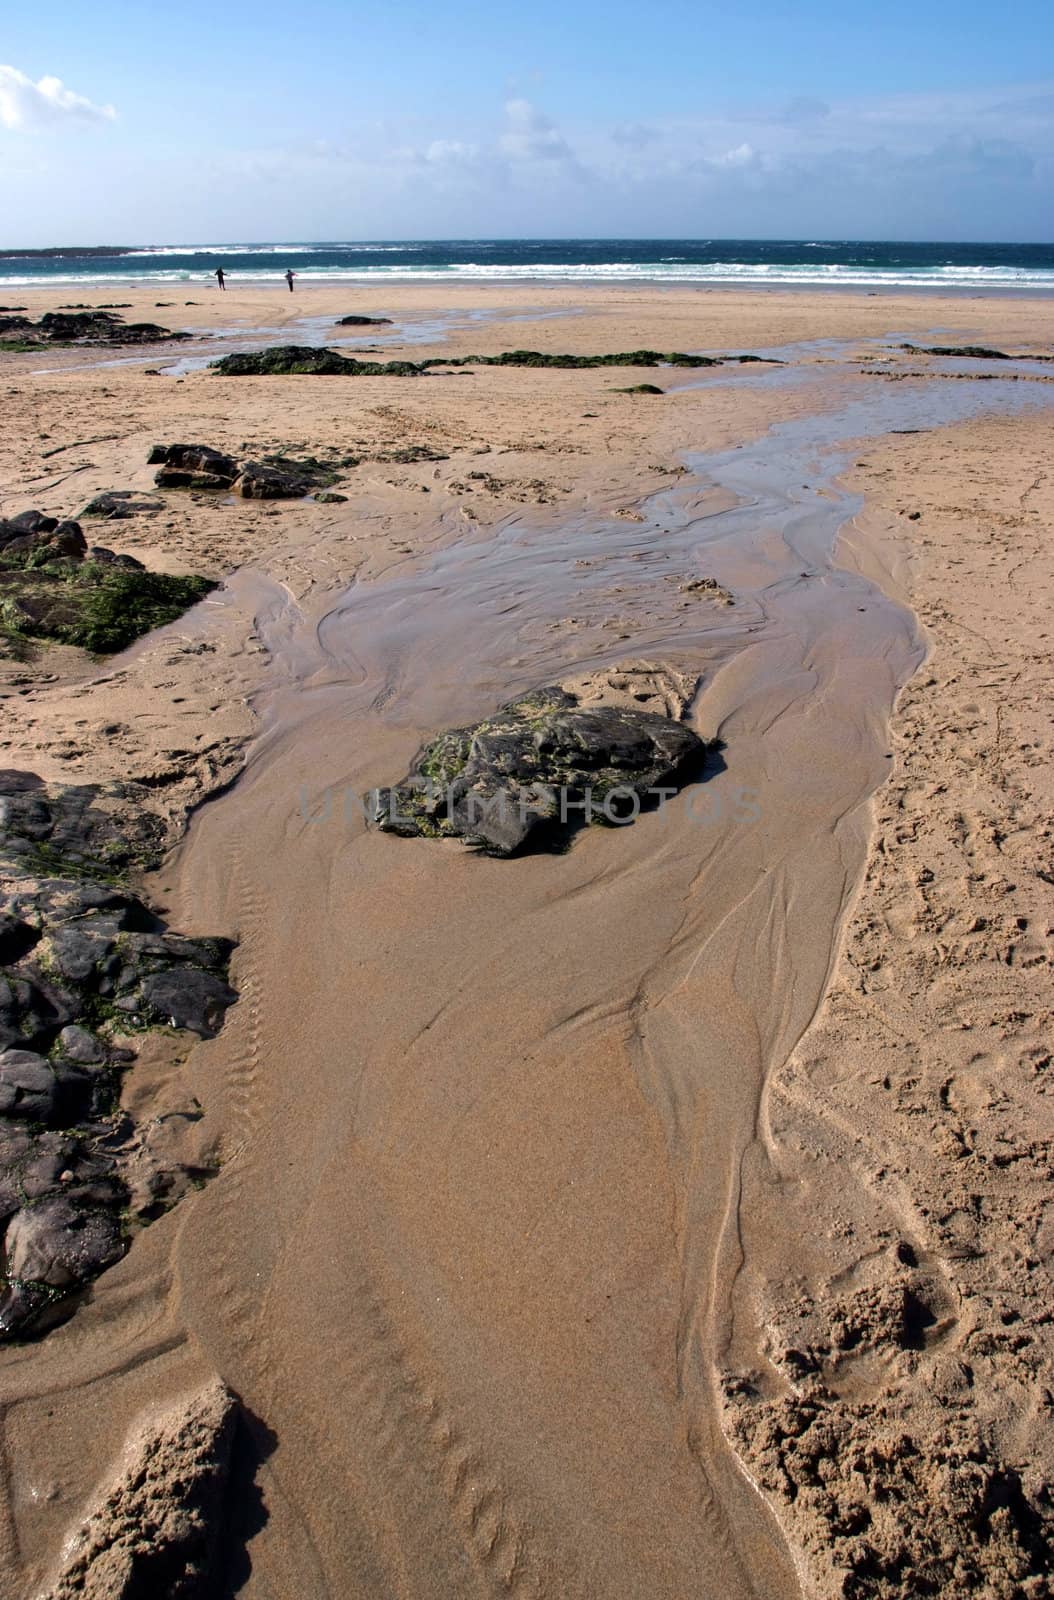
[[668, 1215]]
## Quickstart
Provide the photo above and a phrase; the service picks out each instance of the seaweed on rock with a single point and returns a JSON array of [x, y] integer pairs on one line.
[[530, 772], [86, 967]]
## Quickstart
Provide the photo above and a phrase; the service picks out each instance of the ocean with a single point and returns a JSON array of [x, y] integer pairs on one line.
[[995, 268]]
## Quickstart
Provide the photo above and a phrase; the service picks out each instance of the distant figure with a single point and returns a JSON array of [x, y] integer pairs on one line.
[[220, 275], [290, 275]]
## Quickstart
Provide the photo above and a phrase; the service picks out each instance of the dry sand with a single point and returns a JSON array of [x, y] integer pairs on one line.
[[666, 1217]]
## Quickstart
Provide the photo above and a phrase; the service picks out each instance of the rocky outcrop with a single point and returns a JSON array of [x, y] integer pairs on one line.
[[293, 359], [85, 327], [192, 466], [55, 586], [199, 466], [975, 352], [536, 770], [256, 481], [156, 1528], [86, 968], [290, 360], [545, 358], [43, 536]]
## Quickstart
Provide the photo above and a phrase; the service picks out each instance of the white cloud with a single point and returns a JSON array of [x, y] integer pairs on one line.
[[741, 156], [451, 152], [24, 103], [914, 165], [531, 136]]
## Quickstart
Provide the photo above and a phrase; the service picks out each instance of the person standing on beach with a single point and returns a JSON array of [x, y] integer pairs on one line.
[[290, 275], [220, 275]]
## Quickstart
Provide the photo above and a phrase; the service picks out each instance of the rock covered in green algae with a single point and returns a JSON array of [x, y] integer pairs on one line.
[[535, 769], [294, 358], [53, 585], [976, 352], [85, 963]]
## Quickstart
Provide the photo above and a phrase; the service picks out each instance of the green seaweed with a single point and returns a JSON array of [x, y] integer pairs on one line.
[[976, 352], [308, 359], [94, 605]]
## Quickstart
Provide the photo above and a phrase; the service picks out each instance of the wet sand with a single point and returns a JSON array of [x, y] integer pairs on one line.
[[508, 1178]]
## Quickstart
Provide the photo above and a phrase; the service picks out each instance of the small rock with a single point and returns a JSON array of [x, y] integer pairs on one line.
[[80, 1045], [259, 482], [27, 1086], [99, 552], [188, 998], [116, 505], [56, 1244]]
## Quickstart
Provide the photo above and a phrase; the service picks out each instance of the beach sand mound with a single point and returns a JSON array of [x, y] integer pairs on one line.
[[155, 1528]]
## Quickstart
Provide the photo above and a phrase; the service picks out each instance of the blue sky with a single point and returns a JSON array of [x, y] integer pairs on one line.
[[125, 123]]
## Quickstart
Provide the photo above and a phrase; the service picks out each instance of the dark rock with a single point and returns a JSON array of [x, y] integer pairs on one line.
[[80, 1045], [99, 552], [16, 1144], [32, 1009], [105, 610], [363, 322], [310, 359], [185, 997], [83, 1092], [534, 769], [116, 505], [79, 951], [258, 482], [58, 1164], [106, 828], [193, 466], [53, 1246], [292, 359], [16, 544], [544, 358], [287, 359], [68, 540], [17, 938], [98, 327], [178, 478], [277, 477], [102, 607], [409, 454], [976, 352], [327, 497], [33, 522], [28, 1090]]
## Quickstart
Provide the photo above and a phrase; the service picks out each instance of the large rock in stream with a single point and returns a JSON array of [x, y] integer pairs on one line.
[[536, 770]]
